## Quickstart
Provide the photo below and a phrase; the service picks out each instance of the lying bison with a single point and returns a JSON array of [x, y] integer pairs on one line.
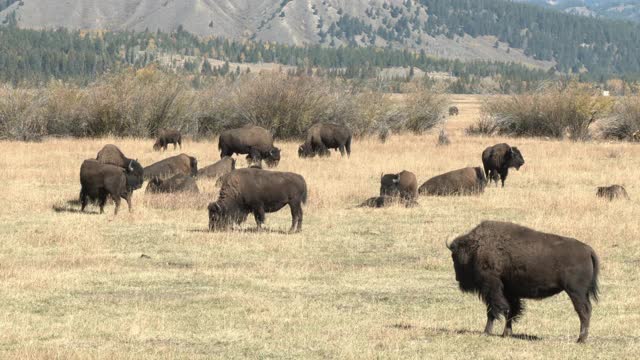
[[466, 181], [255, 141], [453, 111], [175, 184], [504, 263], [322, 137], [99, 180], [497, 160], [385, 200], [179, 164], [612, 192], [256, 191], [223, 166], [166, 137], [402, 184], [110, 154]]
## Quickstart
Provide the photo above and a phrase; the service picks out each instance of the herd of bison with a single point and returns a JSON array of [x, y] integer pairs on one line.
[[501, 262]]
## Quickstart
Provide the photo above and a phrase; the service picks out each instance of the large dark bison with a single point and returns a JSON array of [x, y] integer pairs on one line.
[[402, 184], [179, 164], [110, 154], [612, 192], [497, 160], [257, 191], [218, 169], [255, 141], [466, 181], [175, 184], [321, 137], [385, 200], [504, 263], [166, 137], [99, 180], [453, 111]]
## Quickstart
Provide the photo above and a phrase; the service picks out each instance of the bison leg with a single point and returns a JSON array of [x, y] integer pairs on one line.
[[515, 310], [116, 199], [497, 305], [103, 200], [582, 305], [258, 214], [341, 148], [175, 146], [83, 200], [503, 176], [128, 199], [296, 217]]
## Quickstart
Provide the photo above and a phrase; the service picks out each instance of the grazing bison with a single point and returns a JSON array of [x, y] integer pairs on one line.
[[322, 137], [256, 191], [504, 263], [99, 180], [223, 166], [402, 184], [612, 192], [385, 200], [497, 160], [453, 111], [179, 164], [466, 181], [166, 137], [110, 154], [174, 184], [255, 141]]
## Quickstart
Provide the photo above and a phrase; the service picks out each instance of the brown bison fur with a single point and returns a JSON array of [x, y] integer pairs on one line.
[[464, 181], [166, 137], [101, 180], [636, 135], [218, 169], [384, 201], [110, 154], [504, 263], [321, 137], [453, 110], [179, 164], [255, 141], [612, 192], [174, 184], [255, 191], [403, 184], [497, 160]]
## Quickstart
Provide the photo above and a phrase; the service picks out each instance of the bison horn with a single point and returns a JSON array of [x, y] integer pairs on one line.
[[446, 243], [131, 165]]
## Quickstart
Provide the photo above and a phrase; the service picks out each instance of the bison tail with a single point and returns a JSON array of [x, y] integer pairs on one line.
[[593, 287]]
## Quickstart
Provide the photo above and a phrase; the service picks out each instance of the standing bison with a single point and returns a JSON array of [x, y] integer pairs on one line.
[[175, 184], [322, 137], [99, 180], [110, 154], [453, 111], [402, 184], [179, 164], [220, 168], [166, 137], [466, 181], [497, 160], [257, 191], [255, 141], [504, 263]]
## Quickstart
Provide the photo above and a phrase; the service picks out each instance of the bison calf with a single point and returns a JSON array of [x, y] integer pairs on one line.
[[175, 184], [402, 184], [612, 192], [101, 180], [458, 182], [256, 191], [497, 160], [504, 263], [166, 137]]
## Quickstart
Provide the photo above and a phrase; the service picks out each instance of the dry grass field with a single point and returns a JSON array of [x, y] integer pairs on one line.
[[355, 283]]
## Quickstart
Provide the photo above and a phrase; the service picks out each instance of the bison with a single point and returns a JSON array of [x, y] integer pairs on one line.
[[497, 160], [504, 263], [257, 191], [223, 166], [385, 200], [179, 164], [612, 192], [402, 184], [255, 141], [110, 154], [99, 180], [466, 181], [175, 184], [166, 137], [322, 137], [453, 111]]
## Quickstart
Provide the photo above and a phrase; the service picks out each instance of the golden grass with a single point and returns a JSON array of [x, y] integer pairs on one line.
[[356, 283]]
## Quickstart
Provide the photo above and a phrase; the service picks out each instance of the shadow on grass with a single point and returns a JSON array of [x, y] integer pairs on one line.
[[246, 231], [480, 333], [72, 207]]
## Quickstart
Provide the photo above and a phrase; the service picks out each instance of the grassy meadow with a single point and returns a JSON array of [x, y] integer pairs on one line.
[[355, 283]]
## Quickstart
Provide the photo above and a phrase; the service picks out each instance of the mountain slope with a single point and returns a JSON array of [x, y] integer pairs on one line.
[[614, 9]]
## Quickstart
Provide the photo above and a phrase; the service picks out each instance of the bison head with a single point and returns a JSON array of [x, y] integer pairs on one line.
[[273, 157], [135, 175], [305, 150], [390, 184], [217, 218], [154, 184], [193, 162], [515, 158], [463, 256]]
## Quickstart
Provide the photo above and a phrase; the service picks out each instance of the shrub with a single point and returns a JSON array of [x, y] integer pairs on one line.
[[425, 110], [625, 120], [21, 114]]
